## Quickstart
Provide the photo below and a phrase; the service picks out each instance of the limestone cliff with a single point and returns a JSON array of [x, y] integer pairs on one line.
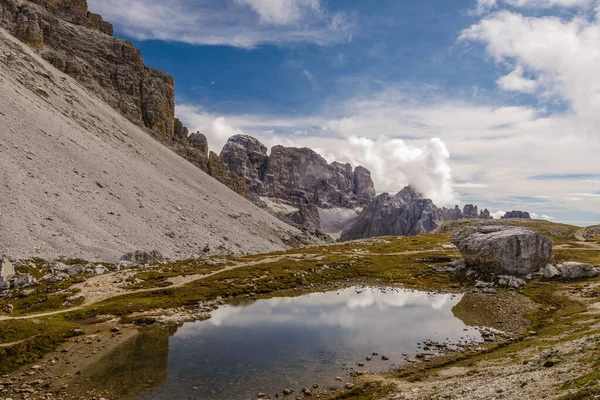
[[81, 44], [297, 176], [405, 214]]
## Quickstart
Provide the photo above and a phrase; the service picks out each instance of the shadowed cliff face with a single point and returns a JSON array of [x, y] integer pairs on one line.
[[81, 44], [406, 214]]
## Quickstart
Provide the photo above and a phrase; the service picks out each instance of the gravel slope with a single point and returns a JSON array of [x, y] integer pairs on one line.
[[79, 180]]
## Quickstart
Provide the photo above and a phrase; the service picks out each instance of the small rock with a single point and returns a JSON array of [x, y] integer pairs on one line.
[[550, 272], [287, 392], [350, 386], [385, 358], [9, 309]]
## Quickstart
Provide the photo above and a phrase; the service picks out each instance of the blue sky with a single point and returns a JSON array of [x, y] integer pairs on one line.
[[486, 101]]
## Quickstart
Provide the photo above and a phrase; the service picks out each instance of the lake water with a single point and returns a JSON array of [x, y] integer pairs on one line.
[[269, 345]]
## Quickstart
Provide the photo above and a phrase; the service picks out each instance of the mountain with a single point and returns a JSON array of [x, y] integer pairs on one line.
[[81, 44], [81, 180], [405, 214], [292, 180]]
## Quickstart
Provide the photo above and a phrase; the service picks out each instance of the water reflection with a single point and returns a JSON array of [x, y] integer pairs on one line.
[[294, 342]]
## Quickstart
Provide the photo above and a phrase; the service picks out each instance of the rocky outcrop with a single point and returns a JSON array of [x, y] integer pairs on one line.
[[405, 214], [504, 249], [363, 184], [218, 170], [517, 214], [6, 268], [143, 257], [81, 44], [452, 214], [469, 211], [298, 176], [485, 214], [247, 157]]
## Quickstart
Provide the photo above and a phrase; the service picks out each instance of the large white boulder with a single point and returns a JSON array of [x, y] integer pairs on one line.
[[504, 250]]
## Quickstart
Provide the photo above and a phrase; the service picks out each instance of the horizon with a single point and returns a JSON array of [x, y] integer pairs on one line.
[[468, 101]]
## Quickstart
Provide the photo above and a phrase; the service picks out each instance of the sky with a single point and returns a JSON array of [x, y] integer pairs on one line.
[[492, 102]]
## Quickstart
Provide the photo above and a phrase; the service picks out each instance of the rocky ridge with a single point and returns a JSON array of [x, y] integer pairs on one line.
[[517, 215], [297, 176], [405, 214], [81, 44]]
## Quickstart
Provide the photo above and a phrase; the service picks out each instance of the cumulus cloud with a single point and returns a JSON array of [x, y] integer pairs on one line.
[[516, 82], [239, 23], [562, 55], [394, 163], [498, 214]]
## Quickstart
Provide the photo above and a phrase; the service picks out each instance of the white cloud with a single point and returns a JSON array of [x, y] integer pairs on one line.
[[498, 214], [516, 82], [547, 3], [282, 11], [483, 6], [562, 55], [239, 23]]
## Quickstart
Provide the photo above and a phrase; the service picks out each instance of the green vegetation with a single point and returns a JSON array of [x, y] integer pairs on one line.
[[31, 339], [406, 261]]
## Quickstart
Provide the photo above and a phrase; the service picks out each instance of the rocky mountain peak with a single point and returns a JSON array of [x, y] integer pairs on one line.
[[297, 176], [408, 194]]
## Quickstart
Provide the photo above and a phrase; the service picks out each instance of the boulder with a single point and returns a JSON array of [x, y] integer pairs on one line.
[[576, 270], [550, 272], [4, 284], [143, 257], [74, 270], [24, 281], [6, 268], [504, 249], [511, 281]]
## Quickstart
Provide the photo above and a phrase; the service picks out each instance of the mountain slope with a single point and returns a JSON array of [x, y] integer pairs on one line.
[[80, 180]]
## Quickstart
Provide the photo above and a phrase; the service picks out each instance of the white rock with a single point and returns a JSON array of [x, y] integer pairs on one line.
[[576, 270], [549, 272]]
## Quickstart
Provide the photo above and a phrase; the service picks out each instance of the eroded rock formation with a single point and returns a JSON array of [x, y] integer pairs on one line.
[[405, 214], [298, 176], [81, 44], [517, 214]]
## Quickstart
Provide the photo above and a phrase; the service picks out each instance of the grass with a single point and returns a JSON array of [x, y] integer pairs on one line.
[[407, 261], [36, 338]]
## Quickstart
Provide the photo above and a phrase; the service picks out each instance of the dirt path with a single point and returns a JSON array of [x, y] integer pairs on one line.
[[100, 288], [104, 287]]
